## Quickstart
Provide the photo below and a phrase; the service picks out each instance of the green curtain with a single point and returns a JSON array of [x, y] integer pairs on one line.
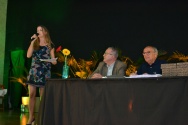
[[17, 71]]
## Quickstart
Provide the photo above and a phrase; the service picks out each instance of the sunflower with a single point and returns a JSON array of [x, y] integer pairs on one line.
[[65, 52]]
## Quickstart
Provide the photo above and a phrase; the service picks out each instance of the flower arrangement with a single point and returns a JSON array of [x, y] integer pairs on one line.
[[58, 49], [177, 57], [79, 68], [62, 54], [22, 80], [65, 52], [83, 68]]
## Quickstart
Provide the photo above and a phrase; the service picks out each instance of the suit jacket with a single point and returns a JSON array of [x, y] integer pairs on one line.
[[118, 69]]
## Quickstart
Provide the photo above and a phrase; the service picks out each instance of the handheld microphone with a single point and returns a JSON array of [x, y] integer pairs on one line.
[[33, 36]]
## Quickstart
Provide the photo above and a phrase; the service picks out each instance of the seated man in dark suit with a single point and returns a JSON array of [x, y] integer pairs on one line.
[[152, 65], [110, 66]]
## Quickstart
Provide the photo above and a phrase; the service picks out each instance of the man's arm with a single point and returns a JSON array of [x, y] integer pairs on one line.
[[98, 69]]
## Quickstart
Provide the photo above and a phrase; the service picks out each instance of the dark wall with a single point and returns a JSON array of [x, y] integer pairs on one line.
[[83, 26]]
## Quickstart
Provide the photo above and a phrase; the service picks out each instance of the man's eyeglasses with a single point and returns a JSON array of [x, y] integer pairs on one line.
[[108, 54], [148, 52]]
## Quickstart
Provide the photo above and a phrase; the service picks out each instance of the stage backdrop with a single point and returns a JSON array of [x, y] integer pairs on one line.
[[83, 26]]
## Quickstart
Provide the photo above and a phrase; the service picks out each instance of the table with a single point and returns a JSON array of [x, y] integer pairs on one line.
[[128, 101]]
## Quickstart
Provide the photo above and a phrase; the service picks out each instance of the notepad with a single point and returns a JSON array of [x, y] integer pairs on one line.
[[49, 60], [145, 76]]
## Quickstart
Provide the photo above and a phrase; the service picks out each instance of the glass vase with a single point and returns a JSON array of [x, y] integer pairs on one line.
[[65, 72]]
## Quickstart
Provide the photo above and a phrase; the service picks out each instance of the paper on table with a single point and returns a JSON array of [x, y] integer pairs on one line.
[[49, 60], [145, 76]]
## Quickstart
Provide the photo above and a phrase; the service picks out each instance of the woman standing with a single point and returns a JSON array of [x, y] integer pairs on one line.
[[41, 47]]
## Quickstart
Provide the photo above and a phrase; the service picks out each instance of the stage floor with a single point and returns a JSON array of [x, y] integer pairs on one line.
[[14, 117]]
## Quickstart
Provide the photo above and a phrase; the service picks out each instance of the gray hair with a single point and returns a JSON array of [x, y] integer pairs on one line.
[[154, 48], [114, 51]]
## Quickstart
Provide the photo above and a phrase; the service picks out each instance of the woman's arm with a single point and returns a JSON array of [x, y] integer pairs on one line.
[[30, 49], [52, 54]]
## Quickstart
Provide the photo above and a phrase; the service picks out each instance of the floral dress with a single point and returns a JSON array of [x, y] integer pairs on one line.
[[40, 70]]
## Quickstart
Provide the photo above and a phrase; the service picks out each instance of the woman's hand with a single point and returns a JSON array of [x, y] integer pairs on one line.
[[34, 37]]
